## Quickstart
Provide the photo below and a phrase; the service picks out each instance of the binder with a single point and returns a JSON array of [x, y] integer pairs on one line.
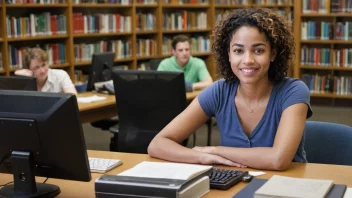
[[127, 186], [337, 190]]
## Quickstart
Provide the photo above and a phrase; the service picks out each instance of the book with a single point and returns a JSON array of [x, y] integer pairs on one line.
[[167, 170], [281, 186], [337, 190], [157, 179]]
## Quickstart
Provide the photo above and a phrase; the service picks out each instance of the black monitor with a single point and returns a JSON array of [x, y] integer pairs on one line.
[[40, 135], [18, 83], [100, 69], [146, 102]]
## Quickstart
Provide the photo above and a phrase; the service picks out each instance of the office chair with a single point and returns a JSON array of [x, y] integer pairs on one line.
[[328, 143], [146, 102], [154, 63]]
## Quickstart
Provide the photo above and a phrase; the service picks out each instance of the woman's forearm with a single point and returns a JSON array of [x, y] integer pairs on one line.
[[167, 149], [260, 157]]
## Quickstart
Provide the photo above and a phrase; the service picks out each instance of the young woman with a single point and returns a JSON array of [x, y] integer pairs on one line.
[[35, 63], [260, 112]]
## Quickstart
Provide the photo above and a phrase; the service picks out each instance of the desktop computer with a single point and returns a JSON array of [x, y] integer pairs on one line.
[[40, 135], [101, 68], [18, 83]]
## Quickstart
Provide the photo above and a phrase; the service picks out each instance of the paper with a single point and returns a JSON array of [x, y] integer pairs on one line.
[[348, 193], [166, 170], [90, 99], [256, 173]]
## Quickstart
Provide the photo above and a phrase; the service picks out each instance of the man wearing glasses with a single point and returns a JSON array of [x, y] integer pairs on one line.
[[35, 63]]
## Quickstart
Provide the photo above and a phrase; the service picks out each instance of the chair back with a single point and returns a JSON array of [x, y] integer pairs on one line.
[[154, 63], [328, 143], [146, 102]]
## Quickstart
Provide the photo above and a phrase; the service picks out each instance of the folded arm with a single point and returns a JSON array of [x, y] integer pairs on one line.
[[278, 157], [166, 145]]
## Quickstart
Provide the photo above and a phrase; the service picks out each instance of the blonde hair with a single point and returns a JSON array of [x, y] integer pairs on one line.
[[32, 54]]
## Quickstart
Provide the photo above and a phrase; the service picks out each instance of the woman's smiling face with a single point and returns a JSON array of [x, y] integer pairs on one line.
[[250, 55]]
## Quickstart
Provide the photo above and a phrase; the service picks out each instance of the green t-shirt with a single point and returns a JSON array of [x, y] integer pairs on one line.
[[194, 71]]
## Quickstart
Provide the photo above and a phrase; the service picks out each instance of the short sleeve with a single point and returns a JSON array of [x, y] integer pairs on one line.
[[296, 92], [66, 81], [209, 99], [203, 72]]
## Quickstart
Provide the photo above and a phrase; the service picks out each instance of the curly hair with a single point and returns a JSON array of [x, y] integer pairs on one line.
[[276, 29]]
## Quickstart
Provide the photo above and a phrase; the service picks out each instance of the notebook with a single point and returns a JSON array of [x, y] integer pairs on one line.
[[337, 190]]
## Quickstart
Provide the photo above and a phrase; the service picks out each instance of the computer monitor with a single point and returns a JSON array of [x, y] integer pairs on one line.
[[40, 135], [146, 102], [100, 69], [18, 83]]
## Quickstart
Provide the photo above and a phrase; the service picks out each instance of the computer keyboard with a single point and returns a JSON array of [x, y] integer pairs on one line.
[[224, 179], [102, 165]]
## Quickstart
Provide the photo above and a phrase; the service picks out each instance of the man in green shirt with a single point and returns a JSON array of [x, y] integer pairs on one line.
[[195, 70]]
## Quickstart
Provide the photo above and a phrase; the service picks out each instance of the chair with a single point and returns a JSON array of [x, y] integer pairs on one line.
[[146, 102], [328, 143], [154, 63]]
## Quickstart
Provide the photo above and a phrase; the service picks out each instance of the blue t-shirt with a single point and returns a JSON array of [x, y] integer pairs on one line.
[[218, 100]]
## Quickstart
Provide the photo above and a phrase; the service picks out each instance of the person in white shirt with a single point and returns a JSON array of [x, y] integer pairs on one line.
[[35, 63]]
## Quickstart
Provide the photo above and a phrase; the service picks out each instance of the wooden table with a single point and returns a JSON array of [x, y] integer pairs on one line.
[[104, 109], [340, 175]]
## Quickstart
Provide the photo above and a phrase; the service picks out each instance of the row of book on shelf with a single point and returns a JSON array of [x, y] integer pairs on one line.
[[122, 2], [288, 15], [84, 51], [128, 2], [260, 2], [322, 57], [101, 23], [56, 54], [184, 20], [199, 44], [317, 83], [321, 6], [36, 25], [186, 1], [34, 1], [145, 21], [321, 30]]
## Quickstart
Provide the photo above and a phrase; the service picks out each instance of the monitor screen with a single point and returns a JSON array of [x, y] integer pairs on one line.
[[40, 135], [100, 69], [146, 101], [18, 83]]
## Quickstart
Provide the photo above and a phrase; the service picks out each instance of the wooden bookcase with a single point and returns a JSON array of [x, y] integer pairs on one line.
[[147, 36], [320, 39]]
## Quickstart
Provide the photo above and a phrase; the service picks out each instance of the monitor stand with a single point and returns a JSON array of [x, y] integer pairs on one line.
[[24, 179]]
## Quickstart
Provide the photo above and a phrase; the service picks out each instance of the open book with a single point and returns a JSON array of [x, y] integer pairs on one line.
[[166, 170], [281, 186]]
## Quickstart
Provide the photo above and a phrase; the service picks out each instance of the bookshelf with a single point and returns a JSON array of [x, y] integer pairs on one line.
[[136, 30], [324, 48]]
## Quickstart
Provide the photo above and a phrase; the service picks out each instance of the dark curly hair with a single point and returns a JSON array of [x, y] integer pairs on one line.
[[276, 29]]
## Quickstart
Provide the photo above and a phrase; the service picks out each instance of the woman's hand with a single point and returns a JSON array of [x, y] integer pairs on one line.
[[215, 159]]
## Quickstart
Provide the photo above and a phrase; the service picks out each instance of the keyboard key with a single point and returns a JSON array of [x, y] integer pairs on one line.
[[102, 165], [224, 179]]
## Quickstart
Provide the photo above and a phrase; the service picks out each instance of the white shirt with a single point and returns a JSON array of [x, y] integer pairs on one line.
[[57, 81]]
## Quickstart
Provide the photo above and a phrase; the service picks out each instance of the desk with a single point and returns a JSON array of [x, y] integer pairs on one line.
[[104, 109], [340, 174]]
